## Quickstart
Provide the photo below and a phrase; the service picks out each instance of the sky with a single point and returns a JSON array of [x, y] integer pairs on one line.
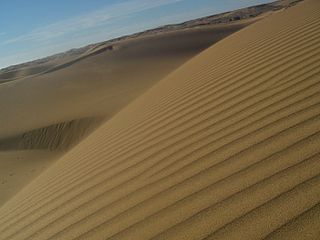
[[32, 29]]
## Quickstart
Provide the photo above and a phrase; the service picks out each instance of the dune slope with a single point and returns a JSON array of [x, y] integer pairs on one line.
[[56, 108], [225, 147]]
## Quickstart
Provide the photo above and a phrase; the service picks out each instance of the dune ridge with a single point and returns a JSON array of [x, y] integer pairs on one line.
[[53, 103], [225, 147], [61, 60], [74, 92]]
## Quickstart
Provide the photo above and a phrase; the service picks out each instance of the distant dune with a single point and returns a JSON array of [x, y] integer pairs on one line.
[[51, 104], [224, 147], [62, 59]]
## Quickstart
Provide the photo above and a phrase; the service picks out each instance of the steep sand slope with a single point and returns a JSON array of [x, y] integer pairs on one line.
[[226, 147], [53, 103], [58, 108]]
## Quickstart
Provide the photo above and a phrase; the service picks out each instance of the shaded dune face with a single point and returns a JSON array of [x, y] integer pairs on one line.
[[95, 85], [60, 136], [225, 147]]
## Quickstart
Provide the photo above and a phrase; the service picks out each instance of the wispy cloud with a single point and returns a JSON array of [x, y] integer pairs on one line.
[[88, 21], [109, 22]]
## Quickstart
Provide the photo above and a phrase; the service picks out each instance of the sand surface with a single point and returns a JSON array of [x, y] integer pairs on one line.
[[18, 167], [224, 147], [51, 104], [54, 110]]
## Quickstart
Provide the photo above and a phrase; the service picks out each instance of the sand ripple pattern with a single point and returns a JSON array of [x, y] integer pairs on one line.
[[226, 147]]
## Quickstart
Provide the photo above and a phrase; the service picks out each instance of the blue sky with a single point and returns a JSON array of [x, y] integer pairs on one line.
[[31, 29]]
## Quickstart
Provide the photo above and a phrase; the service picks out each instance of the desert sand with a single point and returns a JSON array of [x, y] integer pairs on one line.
[[224, 147], [53, 110], [49, 105]]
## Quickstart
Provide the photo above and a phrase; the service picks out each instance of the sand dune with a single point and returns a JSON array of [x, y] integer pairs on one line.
[[53, 103], [97, 80], [225, 147], [74, 93]]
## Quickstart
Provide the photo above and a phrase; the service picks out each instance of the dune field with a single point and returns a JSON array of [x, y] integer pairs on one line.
[[52, 111], [49, 105], [224, 144]]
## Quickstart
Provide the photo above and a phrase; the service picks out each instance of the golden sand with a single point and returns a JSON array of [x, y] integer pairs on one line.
[[225, 147], [54, 109]]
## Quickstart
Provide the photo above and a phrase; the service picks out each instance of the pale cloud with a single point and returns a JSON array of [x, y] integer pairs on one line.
[[79, 31], [88, 21]]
